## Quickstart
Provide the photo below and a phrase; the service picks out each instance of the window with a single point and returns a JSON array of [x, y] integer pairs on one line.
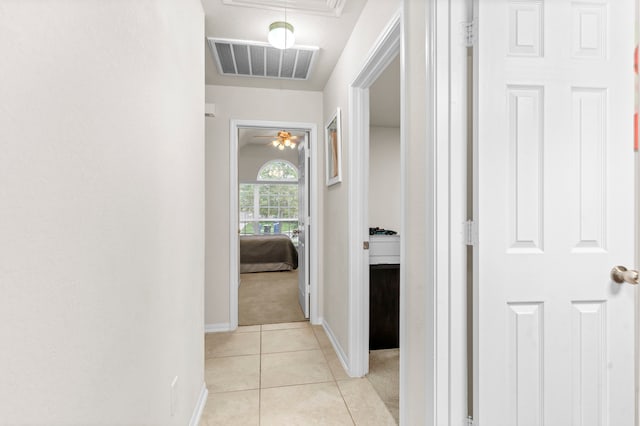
[[278, 170], [270, 206]]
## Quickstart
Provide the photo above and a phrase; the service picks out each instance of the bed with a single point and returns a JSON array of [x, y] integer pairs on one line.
[[266, 253]]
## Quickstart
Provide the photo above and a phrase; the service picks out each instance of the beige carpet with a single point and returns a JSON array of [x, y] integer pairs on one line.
[[269, 298], [384, 375]]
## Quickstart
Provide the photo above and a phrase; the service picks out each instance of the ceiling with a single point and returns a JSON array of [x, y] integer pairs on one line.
[[229, 19], [233, 19], [384, 97], [258, 136], [384, 106]]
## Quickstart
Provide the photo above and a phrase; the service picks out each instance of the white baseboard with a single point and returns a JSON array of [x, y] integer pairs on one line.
[[202, 401], [217, 328], [344, 360]]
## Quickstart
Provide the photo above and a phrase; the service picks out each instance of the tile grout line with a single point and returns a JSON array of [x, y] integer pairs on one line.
[[327, 359], [324, 356], [335, 380], [299, 384], [260, 368], [231, 356], [344, 401], [295, 351]]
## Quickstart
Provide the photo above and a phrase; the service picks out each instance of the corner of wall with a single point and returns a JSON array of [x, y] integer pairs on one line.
[[217, 328], [342, 356], [200, 404]]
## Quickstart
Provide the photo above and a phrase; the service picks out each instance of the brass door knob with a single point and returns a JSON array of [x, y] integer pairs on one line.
[[620, 274]]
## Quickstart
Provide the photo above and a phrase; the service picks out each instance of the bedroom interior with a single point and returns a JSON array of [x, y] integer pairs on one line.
[[268, 169]]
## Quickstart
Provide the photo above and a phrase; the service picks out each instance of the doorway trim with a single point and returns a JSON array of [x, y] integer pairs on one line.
[[385, 50], [436, 392], [234, 247]]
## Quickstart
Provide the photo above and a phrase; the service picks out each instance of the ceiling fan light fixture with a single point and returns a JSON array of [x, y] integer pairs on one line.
[[281, 35], [283, 140]]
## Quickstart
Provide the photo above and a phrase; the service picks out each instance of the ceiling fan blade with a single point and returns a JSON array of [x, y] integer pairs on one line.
[[281, 135]]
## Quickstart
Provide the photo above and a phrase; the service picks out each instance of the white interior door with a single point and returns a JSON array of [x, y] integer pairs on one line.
[[303, 221], [553, 335]]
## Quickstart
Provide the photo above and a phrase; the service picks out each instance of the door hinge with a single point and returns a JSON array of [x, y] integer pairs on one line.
[[469, 421], [365, 245], [469, 32], [470, 233]]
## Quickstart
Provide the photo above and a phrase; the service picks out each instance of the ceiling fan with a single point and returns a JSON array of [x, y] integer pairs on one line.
[[282, 140]]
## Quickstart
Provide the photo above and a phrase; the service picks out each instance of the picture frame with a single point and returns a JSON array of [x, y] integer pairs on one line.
[[333, 149]]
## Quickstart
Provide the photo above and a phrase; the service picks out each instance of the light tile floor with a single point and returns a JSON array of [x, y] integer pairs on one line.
[[284, 374]]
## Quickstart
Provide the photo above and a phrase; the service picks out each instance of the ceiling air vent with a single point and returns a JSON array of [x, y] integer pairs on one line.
[[254, 59]]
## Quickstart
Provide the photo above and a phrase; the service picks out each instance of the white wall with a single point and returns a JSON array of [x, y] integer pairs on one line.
[[426, 376], [384, 178], [241, 104], [251, 158], [101, 211], [375, 16], [418, 266]]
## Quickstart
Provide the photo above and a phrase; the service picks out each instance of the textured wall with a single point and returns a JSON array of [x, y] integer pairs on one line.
[[101, 211]]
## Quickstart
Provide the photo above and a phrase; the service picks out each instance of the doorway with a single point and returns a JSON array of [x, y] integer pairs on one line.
[[266, 183], [272, 221], [384, 212], [365, 217], [433, 385], [386, 51]]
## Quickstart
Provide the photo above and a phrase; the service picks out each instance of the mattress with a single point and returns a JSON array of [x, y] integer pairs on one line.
[[265, 253]]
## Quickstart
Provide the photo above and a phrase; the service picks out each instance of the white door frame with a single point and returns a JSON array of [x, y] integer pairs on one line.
[[384, 52], [445, 82], [312, 244]]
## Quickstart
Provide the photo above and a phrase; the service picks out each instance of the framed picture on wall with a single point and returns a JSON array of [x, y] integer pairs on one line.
[[333, 149]]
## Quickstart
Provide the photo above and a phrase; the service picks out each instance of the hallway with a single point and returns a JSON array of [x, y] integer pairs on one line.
[[284, 374]]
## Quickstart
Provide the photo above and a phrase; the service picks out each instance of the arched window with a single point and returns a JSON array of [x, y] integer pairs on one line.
[[278, 170], [270, 205]]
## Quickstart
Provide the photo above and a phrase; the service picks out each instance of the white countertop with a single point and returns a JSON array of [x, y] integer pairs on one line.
[[384, 249]]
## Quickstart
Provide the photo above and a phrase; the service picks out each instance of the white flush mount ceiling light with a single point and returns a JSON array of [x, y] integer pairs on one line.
[[281, 35]]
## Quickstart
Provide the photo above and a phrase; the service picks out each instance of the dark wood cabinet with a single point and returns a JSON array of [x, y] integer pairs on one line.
[[384, 306]]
